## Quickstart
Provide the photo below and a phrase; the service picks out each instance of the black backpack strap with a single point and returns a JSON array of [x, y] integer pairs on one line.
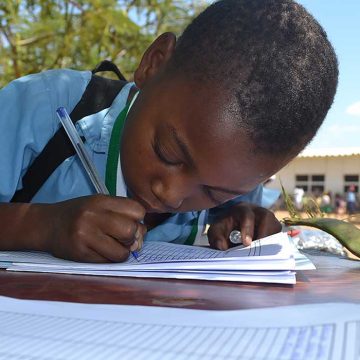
[[98, 95], [107, 65]]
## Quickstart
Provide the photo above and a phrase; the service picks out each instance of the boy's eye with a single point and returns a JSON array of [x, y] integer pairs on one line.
[[164, 155], [210, 195], [220, 197]]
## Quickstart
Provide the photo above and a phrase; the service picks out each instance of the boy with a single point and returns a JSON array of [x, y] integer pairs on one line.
[[219, 111]]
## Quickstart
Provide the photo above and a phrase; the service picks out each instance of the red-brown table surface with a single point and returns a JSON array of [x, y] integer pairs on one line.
[[335, 280]]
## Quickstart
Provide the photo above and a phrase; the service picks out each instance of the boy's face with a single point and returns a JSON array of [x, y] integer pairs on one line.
[[181, 150]]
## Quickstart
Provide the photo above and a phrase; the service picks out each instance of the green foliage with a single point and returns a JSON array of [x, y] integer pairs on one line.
[[311, 207], [44, 34], [289, 204]]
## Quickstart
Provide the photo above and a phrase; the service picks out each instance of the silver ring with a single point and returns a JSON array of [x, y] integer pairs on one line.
[[235, 237]]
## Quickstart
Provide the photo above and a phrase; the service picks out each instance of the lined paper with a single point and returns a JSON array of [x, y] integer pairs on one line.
[[272, 247], [272, 254], [45, 330]]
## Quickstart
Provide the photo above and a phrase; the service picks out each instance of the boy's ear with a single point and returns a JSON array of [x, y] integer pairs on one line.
[[154, 58]]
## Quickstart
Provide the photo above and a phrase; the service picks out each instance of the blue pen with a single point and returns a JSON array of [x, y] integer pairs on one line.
[[83, 155]]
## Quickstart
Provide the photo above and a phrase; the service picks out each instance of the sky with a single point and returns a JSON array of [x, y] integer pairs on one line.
[[341, 21]]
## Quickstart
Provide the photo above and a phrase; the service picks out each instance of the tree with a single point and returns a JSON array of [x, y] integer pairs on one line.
[[43, 34]]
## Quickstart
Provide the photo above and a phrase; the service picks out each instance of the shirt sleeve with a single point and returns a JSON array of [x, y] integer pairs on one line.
[[28, 119], [253, 197]]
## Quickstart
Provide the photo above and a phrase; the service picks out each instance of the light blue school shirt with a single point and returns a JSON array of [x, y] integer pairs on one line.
[[28, 121]]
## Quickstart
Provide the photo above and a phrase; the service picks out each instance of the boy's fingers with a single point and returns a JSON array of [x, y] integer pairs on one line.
[[219, 232], [268, 225], [218, 235], [123, 206], [90, 256], [122, 228], [134, 246], [247, 225], [110, 249], [252, 222], [139, 237]]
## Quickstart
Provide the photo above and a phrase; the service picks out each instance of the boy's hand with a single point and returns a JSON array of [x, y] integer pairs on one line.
[[95, 228], [254, 222]]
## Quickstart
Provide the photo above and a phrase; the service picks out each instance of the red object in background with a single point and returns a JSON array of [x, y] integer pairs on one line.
[[293, 232]]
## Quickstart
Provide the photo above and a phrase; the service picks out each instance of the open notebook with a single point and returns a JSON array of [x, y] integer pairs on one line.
[[269, 260]]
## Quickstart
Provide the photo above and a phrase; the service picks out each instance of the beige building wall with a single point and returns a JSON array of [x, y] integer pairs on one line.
[[333, 167]]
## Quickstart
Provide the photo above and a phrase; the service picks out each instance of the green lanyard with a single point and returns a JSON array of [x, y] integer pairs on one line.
[[114, 151], [112, 166]]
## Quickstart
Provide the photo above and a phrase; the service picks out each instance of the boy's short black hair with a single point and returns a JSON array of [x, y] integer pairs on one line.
[[276, 60]]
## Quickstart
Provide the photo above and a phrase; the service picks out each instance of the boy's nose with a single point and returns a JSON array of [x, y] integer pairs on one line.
[[171, 192]]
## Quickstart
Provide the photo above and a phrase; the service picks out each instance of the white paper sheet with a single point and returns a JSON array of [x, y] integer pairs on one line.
[[278, 277], [65, 331], [158, 258]]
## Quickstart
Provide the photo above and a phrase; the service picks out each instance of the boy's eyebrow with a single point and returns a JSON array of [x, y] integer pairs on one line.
[[184, 149]]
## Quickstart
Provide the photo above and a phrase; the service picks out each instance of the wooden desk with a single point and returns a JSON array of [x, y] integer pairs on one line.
[[335, 280]]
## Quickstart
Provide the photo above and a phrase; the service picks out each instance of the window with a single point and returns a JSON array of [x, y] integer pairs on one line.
[[301, 181], [351, 179], [302, 178], [318, 178], [314, 182], [317, 183]]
